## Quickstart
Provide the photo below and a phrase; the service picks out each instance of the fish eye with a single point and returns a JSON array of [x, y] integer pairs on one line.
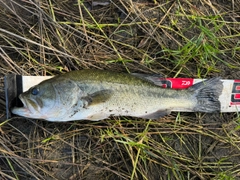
[[35, 91]]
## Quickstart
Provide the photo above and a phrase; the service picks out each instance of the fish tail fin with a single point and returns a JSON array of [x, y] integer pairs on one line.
[[207, 94]]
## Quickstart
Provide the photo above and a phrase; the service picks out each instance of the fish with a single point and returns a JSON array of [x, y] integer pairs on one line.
[[100, 94]]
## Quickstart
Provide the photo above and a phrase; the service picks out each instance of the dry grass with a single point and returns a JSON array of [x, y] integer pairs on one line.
[[175, 38]]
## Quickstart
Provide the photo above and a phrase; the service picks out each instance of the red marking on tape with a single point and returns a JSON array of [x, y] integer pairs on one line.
[[177, 83], [235, 95], [234, 103]]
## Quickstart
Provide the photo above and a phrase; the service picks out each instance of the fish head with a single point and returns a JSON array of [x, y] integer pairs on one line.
[[37, 101], [49, 100]]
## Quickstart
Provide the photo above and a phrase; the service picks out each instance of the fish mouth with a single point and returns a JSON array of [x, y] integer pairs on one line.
[[23, 108]]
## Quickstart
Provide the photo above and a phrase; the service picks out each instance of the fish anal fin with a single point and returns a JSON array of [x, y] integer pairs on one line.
[[97, 116], [158, 114]]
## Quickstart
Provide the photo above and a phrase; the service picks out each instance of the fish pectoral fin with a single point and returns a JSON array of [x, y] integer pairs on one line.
[[157, 114], [98, 97]]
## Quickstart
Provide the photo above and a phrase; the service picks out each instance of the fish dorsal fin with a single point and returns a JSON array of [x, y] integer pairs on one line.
[[152, 78], [98, 97]]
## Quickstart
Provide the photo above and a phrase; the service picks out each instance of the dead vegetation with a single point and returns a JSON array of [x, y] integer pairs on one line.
[[174, 38]]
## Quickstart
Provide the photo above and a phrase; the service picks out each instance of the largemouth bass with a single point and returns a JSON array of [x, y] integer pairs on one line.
[[97, 94]]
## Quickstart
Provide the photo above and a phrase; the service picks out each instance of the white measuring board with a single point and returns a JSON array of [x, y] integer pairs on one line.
[[30, 81]]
